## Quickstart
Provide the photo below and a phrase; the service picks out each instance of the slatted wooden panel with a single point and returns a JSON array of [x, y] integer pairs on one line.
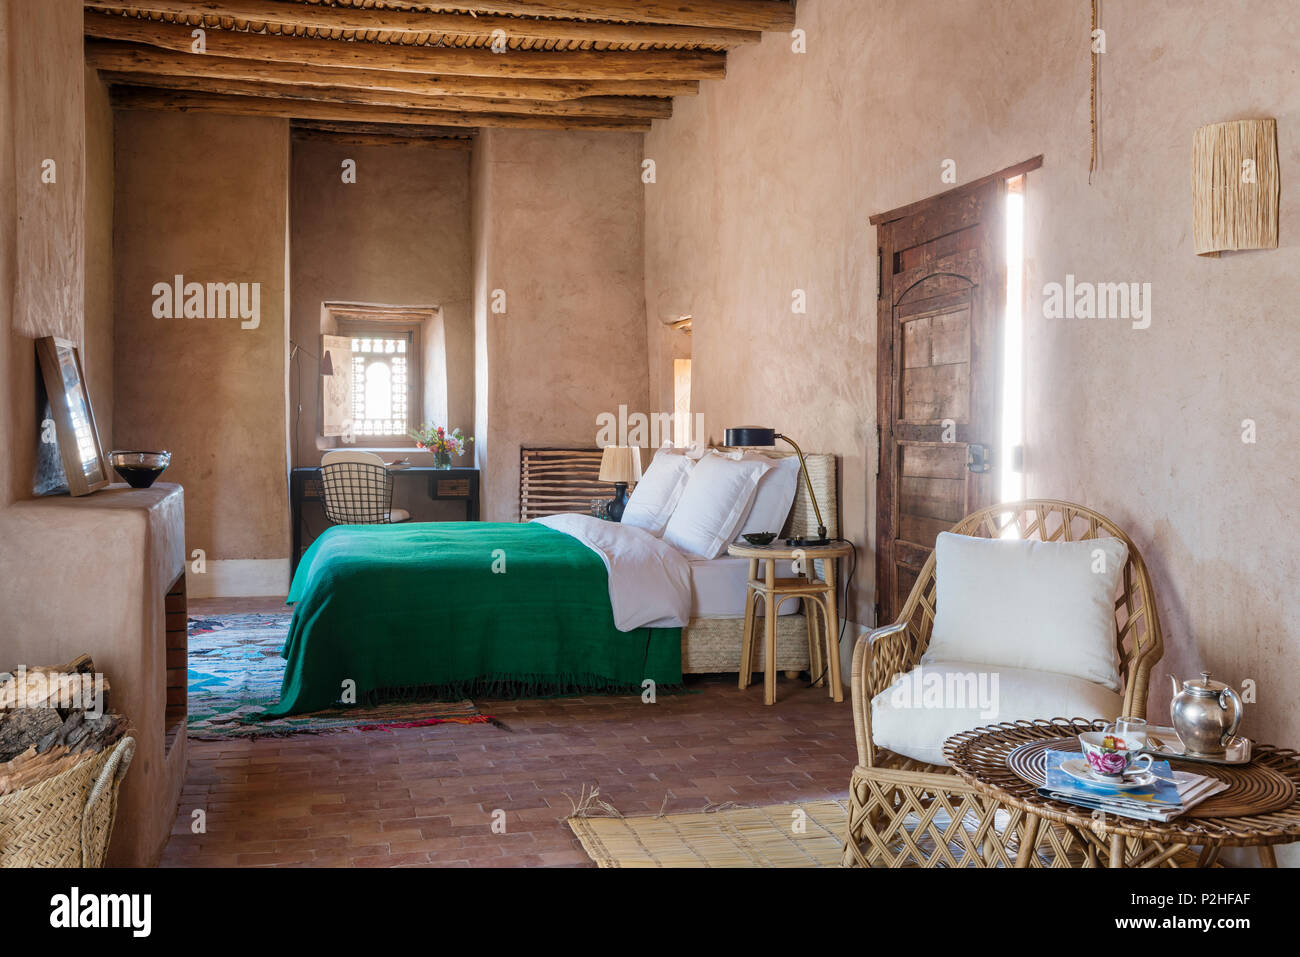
[[176, 649], [552, 481]]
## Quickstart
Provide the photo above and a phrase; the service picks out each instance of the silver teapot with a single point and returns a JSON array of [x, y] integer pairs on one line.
[[1205, 714]]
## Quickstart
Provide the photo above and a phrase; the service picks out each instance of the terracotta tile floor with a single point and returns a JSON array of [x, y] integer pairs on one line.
[[426, 796]]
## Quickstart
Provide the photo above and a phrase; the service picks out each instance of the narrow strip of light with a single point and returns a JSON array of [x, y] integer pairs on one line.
[[1013, 478]]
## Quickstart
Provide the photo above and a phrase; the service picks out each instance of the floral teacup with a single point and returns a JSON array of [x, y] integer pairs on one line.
[[1109, 756]]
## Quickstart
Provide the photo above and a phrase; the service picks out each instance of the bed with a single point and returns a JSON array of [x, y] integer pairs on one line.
[[563, 604], [458, 609], [555, 480]]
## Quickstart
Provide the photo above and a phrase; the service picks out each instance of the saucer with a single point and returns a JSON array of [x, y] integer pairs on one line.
[[1080, 770], [1165, 743]]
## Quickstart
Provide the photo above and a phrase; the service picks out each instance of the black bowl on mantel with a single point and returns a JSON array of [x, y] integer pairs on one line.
[[139, 469], [760, 538]]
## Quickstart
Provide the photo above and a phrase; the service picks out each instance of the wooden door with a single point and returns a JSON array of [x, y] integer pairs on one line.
[[941, 303]]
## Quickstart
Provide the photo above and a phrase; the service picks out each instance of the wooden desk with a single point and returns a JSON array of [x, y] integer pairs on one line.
[[443, 484]]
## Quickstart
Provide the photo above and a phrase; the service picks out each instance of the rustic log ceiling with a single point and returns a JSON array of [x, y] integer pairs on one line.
[[420, 69]]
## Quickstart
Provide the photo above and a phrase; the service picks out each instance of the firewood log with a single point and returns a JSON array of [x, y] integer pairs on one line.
[[24, 727], [38, 738]]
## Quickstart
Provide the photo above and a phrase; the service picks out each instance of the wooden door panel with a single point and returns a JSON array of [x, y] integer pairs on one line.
[[937, 338], [939, 461], [934, 394], [906, 578], [908, 555], [939, 349], [946, 275], [920, 531], [942, 498]]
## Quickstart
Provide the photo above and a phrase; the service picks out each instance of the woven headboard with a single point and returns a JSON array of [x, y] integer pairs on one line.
[[802, 522], [552, 481]]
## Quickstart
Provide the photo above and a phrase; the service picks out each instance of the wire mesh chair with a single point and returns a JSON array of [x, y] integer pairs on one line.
[[358, 490]]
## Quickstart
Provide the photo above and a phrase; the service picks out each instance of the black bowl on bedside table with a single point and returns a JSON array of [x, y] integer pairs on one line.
[[760, 538]]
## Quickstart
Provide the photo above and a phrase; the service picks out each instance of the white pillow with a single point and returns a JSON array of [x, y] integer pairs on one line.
[[652, 502], [1044, 606], [715, 501], [774, 496], [922, 709]]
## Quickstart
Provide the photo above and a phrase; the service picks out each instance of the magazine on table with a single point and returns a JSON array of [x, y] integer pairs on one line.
[[1169, 793]]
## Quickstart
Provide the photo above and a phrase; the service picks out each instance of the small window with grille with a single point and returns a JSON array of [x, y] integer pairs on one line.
[[382, 352], [381, 383]]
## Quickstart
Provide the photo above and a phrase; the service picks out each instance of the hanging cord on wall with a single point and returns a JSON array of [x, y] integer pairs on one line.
[[1092, 91], [294, 349], [294, 370], [848, 579]]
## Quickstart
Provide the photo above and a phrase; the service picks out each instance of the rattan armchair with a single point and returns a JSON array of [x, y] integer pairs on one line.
[[903, 812]]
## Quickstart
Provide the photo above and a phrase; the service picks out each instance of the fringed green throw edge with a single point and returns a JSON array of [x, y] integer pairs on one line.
[[512, 686], [505, 688]]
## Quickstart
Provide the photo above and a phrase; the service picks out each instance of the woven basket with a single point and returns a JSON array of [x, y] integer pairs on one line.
[[65, 820], [712, 645]]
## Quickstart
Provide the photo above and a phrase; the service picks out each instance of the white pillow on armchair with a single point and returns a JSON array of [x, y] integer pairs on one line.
[[1022, 630], [1042, 606]]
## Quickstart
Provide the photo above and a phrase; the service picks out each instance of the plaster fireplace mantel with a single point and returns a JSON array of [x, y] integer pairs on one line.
[[104, 574]]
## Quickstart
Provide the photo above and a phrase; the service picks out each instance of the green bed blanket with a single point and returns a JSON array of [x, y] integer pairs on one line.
[[458, 609]]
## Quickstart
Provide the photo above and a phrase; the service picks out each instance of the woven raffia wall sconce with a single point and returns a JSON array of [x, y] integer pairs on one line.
[[1235, 186]]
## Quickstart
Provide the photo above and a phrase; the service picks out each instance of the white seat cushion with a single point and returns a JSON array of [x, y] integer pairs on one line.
[[923, 708], [1042, 606]]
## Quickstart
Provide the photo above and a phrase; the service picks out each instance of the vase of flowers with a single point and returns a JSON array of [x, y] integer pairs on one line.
[[441, 443]]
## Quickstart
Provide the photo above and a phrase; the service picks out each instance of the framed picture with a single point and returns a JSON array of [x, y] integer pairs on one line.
[[74, 419]]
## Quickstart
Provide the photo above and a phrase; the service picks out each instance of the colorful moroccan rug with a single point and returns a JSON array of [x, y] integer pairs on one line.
[[783, 835], [235, 670]]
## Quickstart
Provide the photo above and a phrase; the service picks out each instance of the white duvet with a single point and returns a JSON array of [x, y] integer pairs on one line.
[[649, 581]]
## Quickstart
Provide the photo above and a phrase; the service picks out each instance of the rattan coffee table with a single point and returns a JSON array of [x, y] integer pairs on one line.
[[1260, 808]]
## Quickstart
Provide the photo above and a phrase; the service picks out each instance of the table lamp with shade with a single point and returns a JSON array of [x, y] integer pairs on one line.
[[754, 437], [620, 464]]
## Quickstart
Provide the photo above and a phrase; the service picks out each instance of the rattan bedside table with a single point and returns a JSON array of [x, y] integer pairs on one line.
[[1261, 807], [816, 593]]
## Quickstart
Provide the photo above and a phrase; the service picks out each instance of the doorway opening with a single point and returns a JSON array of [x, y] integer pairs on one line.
[[682, 403]]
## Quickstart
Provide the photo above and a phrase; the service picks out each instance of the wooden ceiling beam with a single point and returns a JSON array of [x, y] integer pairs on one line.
[[410, 22], [359, 54], [137, 58], [133, 98], [380, 134], [731, 14], [380, 139], [414, 132], [625, 107]]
